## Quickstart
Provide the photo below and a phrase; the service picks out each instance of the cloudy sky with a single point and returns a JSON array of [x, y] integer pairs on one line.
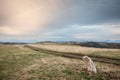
[[59, 20]]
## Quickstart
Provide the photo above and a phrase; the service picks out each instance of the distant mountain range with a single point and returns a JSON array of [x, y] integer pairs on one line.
[[103, 44], [107, 44], [12, 43], [112, 41]]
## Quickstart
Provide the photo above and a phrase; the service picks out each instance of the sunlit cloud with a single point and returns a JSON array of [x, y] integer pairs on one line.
[[25, 16]]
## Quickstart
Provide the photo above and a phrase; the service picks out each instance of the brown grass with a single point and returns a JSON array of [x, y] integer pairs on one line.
[[112, 53], [20, 63]]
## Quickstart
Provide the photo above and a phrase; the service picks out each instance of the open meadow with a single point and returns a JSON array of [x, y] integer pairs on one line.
[[22, 62], [104, 52]]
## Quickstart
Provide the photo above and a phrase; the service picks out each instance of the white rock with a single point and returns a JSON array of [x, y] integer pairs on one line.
[[89, 64]]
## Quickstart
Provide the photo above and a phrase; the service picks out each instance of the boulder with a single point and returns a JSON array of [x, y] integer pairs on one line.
[[89, 64]]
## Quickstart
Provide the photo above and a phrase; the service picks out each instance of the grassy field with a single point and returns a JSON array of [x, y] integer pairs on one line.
[[110, 53], [21, 63]]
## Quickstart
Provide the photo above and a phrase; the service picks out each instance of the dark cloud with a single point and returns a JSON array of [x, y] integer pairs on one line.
[[92, 12]]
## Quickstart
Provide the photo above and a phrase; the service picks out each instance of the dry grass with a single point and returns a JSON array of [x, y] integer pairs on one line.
[[20, 63], [112, 53]]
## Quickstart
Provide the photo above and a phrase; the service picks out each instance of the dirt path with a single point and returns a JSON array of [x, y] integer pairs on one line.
[[77, 56]]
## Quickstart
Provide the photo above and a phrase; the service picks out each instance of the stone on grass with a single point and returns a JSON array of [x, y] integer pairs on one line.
[[89, 64]]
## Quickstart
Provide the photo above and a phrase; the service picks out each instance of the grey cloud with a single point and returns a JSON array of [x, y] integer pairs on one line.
[[90, 12]]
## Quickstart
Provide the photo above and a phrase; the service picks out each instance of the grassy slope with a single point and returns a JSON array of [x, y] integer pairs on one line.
[[110, 53], [20, 63]]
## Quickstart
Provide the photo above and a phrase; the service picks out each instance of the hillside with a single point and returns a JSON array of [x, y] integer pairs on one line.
[[19, 62], [87, 44]]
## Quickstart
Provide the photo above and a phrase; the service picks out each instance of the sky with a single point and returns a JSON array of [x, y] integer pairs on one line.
[[59, 20]]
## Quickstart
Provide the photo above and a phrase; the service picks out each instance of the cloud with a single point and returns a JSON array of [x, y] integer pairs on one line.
[[83, 36], [63, 19], [114, 29], [26, 16], [93, 32]]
